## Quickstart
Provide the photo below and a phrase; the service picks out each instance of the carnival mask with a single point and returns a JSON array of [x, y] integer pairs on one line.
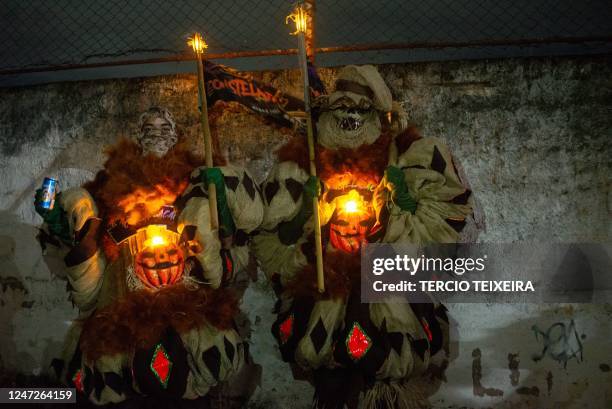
[[157, 132], [348, 125]]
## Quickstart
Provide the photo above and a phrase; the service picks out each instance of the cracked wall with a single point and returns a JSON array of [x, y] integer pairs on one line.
[[533, 135]]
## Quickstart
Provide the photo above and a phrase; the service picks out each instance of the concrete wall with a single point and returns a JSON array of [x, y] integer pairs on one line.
[[534, 137]]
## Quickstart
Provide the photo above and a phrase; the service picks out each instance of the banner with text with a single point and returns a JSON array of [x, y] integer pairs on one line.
[[226, 84]]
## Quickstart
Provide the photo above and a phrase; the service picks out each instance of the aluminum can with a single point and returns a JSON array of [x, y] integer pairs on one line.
[[49, 189]]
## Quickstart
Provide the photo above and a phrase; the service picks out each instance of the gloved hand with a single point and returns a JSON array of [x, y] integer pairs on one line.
[[312, 189], [56, 218], [290, 232], [227, 227], [395, 183]]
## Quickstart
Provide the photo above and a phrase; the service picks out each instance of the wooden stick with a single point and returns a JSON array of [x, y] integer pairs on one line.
[[313, 164], [205, 130]]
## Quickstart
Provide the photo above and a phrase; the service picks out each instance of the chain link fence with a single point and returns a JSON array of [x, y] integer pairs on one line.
[[41, 35]]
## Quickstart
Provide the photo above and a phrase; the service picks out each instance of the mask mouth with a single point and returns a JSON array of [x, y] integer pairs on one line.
[[350, 119], [158, 145], [346, 235], [160, 274], [350, 124], [159, 270], [161, 266]]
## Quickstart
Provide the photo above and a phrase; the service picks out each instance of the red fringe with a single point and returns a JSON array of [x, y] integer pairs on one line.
[[139, 319]]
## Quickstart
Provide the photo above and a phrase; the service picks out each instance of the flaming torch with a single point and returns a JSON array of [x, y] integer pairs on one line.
[[300, 18], [198, 45]]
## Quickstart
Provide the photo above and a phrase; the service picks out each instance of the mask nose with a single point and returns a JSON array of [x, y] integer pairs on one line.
[[161, 257]]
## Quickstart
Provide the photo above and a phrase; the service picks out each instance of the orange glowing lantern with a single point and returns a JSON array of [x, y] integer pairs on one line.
[[351, 222], [159, 260], [157, 241]]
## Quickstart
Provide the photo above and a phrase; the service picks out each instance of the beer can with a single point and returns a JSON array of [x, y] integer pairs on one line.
[[49, 189]]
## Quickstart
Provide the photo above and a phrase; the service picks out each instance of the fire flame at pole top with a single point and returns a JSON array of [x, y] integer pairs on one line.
[[197, 43], [300, 18]]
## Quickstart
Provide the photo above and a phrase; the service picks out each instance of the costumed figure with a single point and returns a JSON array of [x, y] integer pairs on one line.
[[380, 181], [148, 275]]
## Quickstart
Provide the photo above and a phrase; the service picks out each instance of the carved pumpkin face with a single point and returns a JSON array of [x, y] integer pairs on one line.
[[350, 223], [160, 264]]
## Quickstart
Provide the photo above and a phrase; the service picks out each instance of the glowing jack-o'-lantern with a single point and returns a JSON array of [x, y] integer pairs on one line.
[[351, 222], [159, 261]]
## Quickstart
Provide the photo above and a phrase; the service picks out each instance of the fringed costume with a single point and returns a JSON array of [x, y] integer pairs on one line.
[[149, 277], [373, 355]]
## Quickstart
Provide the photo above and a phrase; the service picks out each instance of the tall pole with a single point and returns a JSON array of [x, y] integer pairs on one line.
[[198, 45], [299, 17], [310, 6]]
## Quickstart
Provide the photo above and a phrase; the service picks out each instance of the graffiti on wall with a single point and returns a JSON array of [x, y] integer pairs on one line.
[[560, 342]]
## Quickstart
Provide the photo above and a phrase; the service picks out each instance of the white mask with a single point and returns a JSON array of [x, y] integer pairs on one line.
[[157, 136]]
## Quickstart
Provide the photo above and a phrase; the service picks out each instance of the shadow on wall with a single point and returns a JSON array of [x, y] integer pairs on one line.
[[20, 268], [13, 295]]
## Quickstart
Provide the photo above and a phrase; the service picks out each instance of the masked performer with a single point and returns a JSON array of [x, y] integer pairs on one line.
[[147, 272], [381, 182]]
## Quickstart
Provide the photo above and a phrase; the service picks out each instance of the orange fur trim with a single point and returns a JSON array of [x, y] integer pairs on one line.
[[366, 159], [366, 163], [139, 319], [126, 171]]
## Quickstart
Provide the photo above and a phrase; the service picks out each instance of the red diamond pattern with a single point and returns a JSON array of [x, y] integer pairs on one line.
[[285, 329], [161, 365], [78, 380], [357, 342]]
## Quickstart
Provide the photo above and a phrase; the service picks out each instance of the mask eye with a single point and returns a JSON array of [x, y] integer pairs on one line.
[[362, 111], [365, 223]]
